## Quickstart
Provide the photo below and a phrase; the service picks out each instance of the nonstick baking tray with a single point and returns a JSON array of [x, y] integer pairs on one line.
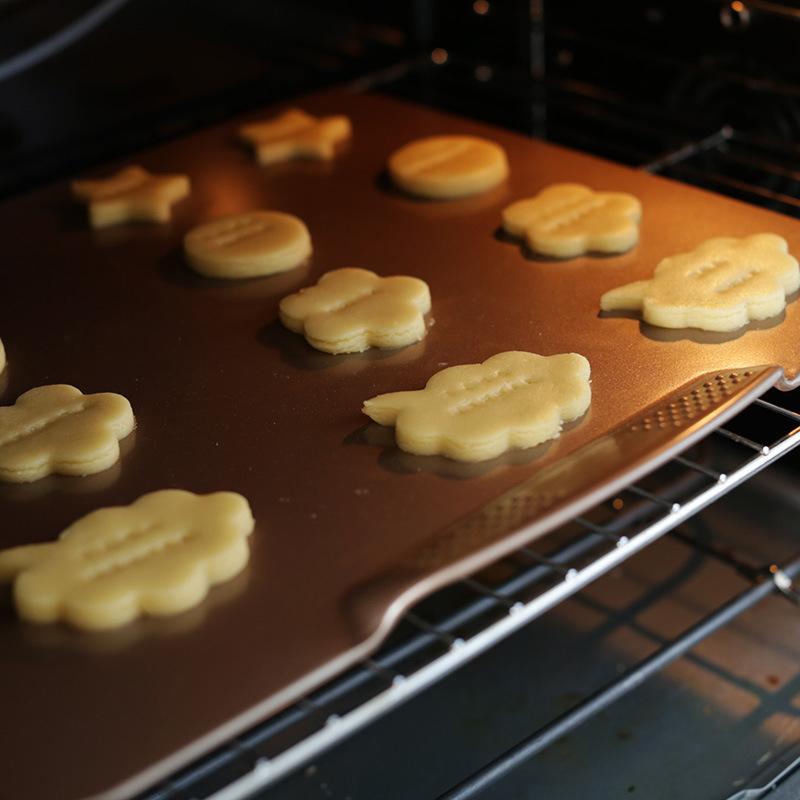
[[350, 530]]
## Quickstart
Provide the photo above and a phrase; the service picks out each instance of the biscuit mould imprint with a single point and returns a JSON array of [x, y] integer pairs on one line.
[[223, 348]]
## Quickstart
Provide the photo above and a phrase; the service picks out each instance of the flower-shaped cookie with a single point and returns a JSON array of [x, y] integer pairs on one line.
[[350, 310], [59, 429], [296, 134], [719, 286], [569, 219], [157, 556], [478, 411], [448, 167], [132, 195]]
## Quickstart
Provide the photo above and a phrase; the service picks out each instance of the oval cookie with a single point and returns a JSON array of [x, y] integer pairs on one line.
[[350, 310], [58, 429], [445, 167], [476, 412], [721, 285], [248, 245], [157, 556]]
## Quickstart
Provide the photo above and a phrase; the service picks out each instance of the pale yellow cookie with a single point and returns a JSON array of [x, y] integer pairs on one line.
[[2, 356], [58, 429], [296, 134], [132, 195], [248, 245], [569, 219], [478, 411], [719, 286], [444, 167], [157, 556], [350, 310]]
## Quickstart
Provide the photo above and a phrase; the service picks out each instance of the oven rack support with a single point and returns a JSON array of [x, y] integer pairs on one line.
[[495, 611]]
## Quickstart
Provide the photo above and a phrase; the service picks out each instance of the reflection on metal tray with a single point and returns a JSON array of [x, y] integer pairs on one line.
[[226, 398]]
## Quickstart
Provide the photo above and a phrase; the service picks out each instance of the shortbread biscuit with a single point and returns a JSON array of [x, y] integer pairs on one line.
[[721, 285], [569, 219], [444, 167], [157, 556], [296, 134], [478, 411], [248, 245], [350, 310], [132, 195], [58, 429]]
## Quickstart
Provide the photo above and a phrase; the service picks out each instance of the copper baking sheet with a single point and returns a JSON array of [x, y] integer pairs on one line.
[[349, 530]]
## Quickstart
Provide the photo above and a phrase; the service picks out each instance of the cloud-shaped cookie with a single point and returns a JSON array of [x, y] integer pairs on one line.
[[569, 219], [719, 286], [478, 411], [296, 134], [350, 310], [59, 429], [131, 195], [157, 556]]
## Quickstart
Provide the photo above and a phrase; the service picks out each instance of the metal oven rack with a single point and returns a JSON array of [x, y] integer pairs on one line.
[[458, 623]]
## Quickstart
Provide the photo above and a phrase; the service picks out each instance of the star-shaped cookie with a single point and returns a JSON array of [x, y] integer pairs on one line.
[[58, 429], [158, 556], [131, 195], [569, 219], [478, 411], [296, 134], [350, 310], [721, 285]]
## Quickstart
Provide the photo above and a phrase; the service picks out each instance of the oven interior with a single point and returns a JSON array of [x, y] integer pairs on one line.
[[644, 650]]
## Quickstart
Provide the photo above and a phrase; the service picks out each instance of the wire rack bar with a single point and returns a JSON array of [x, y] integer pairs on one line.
[[460, 651], [613, 691]]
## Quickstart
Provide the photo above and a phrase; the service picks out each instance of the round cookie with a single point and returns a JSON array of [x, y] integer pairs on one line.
[[248, 245], [446, 167]]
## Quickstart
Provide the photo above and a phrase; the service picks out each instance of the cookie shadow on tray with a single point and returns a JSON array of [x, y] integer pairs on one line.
[[398, 461], [696, 335], [503, 236], [297, 352]]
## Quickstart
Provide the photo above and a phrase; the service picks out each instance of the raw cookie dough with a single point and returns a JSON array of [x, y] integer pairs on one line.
[[157, 556], [58, 429], [248, 245], [295, 134], [350, 310], [478, 411], [133, 194], [569, 219], [719, 286], [444, 167]]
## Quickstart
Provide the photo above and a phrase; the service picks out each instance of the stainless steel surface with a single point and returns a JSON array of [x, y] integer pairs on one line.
[[226, 398]]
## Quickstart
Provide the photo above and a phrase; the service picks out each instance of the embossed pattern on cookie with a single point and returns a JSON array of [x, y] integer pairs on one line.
[[248, 245], [131, 195], [158, 556], [721, 285], [296, 134], [448, 167], [58, 429], [350, 310], [569, 219], [478, 411]]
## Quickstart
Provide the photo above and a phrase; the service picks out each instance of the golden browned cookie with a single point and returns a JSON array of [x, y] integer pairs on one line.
[[296, 134], [478, 411], [131, 195], [157, 556]]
